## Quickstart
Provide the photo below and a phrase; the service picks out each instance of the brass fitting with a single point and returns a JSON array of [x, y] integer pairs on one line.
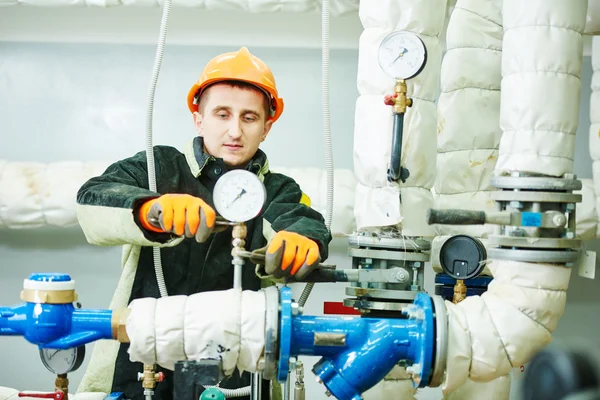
[[119, 325], [460, 291], [401, 102], [239, 231], [62, 384], [149, 378], [48, 296]]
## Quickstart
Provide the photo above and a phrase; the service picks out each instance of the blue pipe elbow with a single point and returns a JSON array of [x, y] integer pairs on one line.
[[359, 352], [48, 317]]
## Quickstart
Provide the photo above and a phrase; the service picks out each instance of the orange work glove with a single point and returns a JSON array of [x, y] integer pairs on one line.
[[180, 214], [291, 254]]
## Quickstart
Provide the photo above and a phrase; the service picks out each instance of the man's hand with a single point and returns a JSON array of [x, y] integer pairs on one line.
[[291, 254], [180, 214]]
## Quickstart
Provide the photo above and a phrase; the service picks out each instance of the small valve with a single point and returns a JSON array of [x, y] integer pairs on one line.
[[149, 378]]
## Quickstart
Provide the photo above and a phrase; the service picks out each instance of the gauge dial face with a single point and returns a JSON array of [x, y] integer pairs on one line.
[[62, 361], [402, 55], [239, 195]]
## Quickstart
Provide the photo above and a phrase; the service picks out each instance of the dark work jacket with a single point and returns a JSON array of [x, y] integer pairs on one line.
[[107, 212]]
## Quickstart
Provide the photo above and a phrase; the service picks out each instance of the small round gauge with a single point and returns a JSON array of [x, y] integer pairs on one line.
[[402, 55], [239, 195], [62, 361]]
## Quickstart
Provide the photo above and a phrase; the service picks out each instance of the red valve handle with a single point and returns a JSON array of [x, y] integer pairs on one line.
[[58, 395]]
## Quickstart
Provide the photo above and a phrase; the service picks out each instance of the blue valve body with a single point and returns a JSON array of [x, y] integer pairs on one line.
[[57, 326], [361, 351]]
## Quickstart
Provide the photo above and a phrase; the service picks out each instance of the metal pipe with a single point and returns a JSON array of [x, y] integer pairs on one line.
[[396, 171], [256, 386]]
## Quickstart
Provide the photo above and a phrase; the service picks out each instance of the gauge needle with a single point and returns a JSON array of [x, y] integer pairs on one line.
[[53, 354], [237, 197], [402, 52]]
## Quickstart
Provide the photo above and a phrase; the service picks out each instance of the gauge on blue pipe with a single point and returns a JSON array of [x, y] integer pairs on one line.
[[61, 362]]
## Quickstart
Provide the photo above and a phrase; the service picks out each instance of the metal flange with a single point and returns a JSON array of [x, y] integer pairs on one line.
[[375, 305], [535, 197], [285, 334], [271, 333], [389, 243], [540, 256], [441, 341], [388, 255], [536, 183], [534, 242], [381, 293]]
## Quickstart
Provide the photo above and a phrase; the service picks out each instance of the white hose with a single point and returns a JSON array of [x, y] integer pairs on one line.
[[160, 279], [325, 11], [243, 391]]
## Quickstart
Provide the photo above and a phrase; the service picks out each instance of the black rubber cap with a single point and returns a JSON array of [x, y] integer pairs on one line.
[[462, 257], [555, 373]]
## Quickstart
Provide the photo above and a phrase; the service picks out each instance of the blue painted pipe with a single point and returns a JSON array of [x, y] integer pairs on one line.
[[372, 348], [358, 352], [57, 326]]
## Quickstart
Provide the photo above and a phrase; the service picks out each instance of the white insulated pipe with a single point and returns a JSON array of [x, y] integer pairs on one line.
[[541, 85], [541, 65], [380, 203], [469, 111], [36, 195], [595, 122], [338, 7]]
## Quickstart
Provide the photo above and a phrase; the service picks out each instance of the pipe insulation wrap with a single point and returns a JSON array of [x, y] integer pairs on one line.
[[227, 325], [338, 7], [592, 20], [504, 327], [468, 112], [595, 122], [379, 202], [587, 212], [34, 195], [541, 68]]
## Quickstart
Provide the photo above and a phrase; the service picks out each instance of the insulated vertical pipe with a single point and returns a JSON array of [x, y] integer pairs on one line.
[[541, 65]]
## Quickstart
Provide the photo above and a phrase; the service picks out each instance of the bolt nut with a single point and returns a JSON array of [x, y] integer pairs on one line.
[[415, 288], [559, 220], [414, 370], [516, 205], [295, 309], [417, 264], [570, 235], [518, 233], [401, 275], [570, 206]]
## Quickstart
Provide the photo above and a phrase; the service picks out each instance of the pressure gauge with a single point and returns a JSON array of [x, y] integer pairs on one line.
[[402, 55], [62, 361], [239, 195]]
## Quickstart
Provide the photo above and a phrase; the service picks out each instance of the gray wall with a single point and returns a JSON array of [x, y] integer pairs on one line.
[[87, 102]]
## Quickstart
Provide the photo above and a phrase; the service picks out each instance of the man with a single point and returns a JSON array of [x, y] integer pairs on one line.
[[234, 105]]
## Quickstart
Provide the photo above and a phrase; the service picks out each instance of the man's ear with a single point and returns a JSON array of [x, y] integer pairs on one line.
[[198, 122], [267, 129]]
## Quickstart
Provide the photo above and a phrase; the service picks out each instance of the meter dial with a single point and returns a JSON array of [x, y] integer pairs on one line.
[[402, 55], [239, 195], [62, 361]]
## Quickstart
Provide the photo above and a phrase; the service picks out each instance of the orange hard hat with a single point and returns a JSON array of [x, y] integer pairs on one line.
[[238, 66]]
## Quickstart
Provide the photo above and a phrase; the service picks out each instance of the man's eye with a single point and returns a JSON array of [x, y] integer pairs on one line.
[[250, 119], [222, 115]]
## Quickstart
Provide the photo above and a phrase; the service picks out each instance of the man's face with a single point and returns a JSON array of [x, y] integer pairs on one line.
[[233, 123]]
